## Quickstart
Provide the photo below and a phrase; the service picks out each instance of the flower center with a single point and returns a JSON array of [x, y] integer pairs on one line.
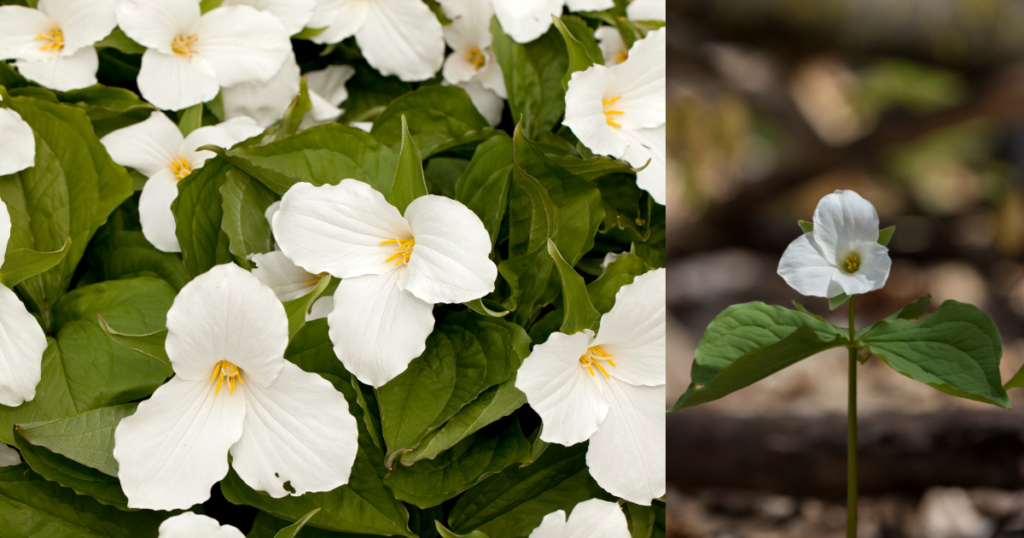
[[224, 370], [622, 56], [315, 279], [181, 167], [852, 263], [183, 45], [476, 58], [593, 357], [403, 252], [608, 114], [53, 40]]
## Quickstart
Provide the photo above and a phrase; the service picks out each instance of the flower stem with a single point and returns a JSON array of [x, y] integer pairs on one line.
[[851, 436]]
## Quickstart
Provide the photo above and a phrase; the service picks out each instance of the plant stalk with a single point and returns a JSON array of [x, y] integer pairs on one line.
[[851, 436]]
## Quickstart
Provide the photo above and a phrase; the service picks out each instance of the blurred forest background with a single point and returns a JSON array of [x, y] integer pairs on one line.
[[919, 106]]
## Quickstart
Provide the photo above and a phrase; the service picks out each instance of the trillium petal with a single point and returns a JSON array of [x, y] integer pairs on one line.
[[22, 344], [265, 102], [377, 328], [559, 388], [470, 26], [192, 525], [639, 84], [589, 5], [804, 267], [155, 215], [339, 19], [63, 73], [297, 430], [646, 147], [5, 229], [646, 10], [19, 26], [339, 228], [486, 102], [596, 518], [491, 76], [613, 48], [174, 82], [17, 145], [9, 456], [223, 135], [149, 146], [329, 83], [841, 220], [402, 38], [627, 453], [175, 447], [320, 112], [873, 272], [633, 332], [242, 44], [227, 314], [526, 20], [552, 526], [321, 309], [155, 23], [293, 14], [288, 280], [457, 68], [83, 22], [449, 262], [584, 111]]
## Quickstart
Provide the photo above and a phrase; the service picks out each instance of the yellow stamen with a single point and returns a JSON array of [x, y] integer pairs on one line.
[[404, 251], [54, 40], [609, 113], [621, 57], [852, 263], [315, 279], [183, 45], [225, 370], [476, 58], [592, 358], [181, 167]]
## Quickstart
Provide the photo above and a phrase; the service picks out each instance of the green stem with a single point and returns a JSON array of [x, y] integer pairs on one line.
[[851, 436]]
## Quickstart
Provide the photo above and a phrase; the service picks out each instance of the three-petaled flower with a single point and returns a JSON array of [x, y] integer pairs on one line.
[[472, 65]]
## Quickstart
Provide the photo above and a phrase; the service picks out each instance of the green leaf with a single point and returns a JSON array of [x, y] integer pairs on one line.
[[292, 530], [86, 438], [592, 168], [483, 186], [83, 480], [24, 263], [580, 44], [445, 533], [513, 502], [627, 209], [37, 508], [369, 93], [533, 77], [152, 345], [885, 235], [533, 283], [619, 273], [641, 520], [485, 307], [198, 212], [409, 183], [108, 108], [532, 218], [190, 119], [245, 202], [955, 349], [430, 482], [436, 114], [749, 342], [579, 313], [298, 308], [127, 254], [267, 526], [911, 312]]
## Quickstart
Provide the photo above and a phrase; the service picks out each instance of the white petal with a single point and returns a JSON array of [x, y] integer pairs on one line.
[[402, 38], [627, 454], [17, 144], [559, 388], [265, 102], [83, 22], [526, 20], [340, 19], [804, 267], [584, 111], [597, 518], [149, 146], [339, 228], [192, 525], [271, 211], [552, 526], [376, 328], [320, 112], [449, 262], [158, 224], [63, 73], [613, 48], [457, 68], [242, 44], [646, 147], [633, 332], [471, 24], [227, 314], [639, 83], [873, 272], [5, 230], [589, 5], [491, 76], [175, 447], [19, 27], [9, 456], [223, 135], [155, 23], [486, 102], [288, 280], [841, 220], [297, 430], [329, 83], [646, 10], [22, 343], [293, 14], [321, 309], [174, 82]]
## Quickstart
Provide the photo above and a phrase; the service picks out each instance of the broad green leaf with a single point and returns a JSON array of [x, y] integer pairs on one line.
[[533, 283], [120, 41], [83, 480], [198, 212], [267, 526], [619, 273], [130, 306], [108, 108], [430, 482], [580, 44], [641, 520], [69, 193], [245, 202], [369, 93], [955, 349], [409, 183], [445, 533], [37, 508], [296, 309], [190, 119], [627, 209], [465, 355], [322, 155], [592, 168], [87, 438], [483, 186], [127, 254], [749, 342], [152, 345], [532, 218], [442, 173], [485, 307], [25, 263], [513, 502], [463, 146], [911, 312], [436, 114], [578, 312], [291, 531], [533, 77]]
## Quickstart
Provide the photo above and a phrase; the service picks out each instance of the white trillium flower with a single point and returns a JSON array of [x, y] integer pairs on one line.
[[590, 519], [192, 525], [472, 65], [17, 143], [526, 20], [156, 148], [289, 281], [293, 14], [394, 268], [842, 254], [397, 37], [646, 10], [609, 388], [233, 391], [613, 48], [53, 45], [9, 457], [620, 110], [327, 92], [190, 56]]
